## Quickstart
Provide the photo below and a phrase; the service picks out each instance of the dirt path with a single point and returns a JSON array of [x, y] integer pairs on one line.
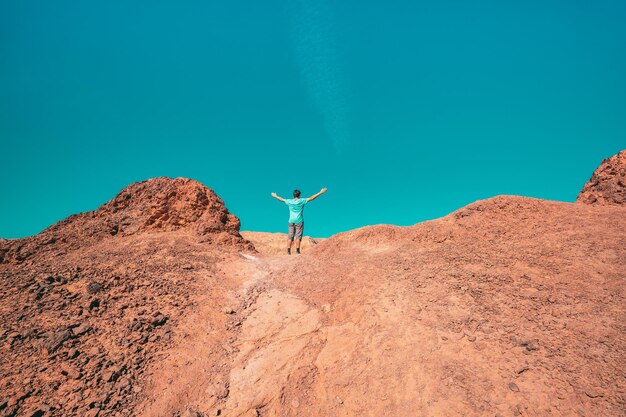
[[219, 358], [274, 350], [364, 350]]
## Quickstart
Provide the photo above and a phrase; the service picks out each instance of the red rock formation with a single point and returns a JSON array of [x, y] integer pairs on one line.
[[153, 305], [156, 205], [167, 204], [607, 185], [87, 304]]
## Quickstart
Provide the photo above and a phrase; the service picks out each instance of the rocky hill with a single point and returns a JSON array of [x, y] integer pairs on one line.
[[89, 302], [155, 305], [157, 205], [607, 185]]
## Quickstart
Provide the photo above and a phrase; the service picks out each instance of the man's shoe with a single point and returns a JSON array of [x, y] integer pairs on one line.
[[298, 251], [289, 251]]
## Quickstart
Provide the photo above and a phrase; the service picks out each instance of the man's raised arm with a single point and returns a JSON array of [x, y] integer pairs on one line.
[[314, 196], [277, 197]]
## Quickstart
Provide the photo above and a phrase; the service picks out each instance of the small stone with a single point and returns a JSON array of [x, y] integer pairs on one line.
[[192, 412], [81, 330], [94, 351], [229, 310], [74, 374], [94, 303], [592, 393], [93, 287], [123, 383], [222, 391], [159, 320], [56, 340], [72, 353], [111, 374], [521, 370], [40, 410], [18, 397], [92, 413], [529, 345], [70, 371], [513, 387]]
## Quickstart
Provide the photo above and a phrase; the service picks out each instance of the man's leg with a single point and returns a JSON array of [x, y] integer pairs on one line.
[[290, 235], [299, 228]]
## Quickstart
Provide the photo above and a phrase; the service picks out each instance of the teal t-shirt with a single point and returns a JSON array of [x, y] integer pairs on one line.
[[296, 207]]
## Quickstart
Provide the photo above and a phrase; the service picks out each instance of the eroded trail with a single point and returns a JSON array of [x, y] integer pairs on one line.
[[236, 362], [277, 343], [347, 350]]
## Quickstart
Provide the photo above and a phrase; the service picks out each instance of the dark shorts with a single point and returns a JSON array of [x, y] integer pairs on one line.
[[295, 229]]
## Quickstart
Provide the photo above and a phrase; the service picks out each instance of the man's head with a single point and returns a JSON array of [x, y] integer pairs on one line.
[[296, 193]]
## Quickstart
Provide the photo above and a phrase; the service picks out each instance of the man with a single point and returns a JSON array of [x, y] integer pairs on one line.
[[296, 219]]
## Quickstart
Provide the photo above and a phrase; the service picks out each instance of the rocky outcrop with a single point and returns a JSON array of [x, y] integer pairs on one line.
[[166, 204], [155, 205], [607, 185]]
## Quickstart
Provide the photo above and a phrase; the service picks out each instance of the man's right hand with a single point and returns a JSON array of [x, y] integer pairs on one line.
[[323, 190], [274, 195]]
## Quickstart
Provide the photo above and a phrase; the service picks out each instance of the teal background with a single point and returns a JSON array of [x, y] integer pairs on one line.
[[405, 110]]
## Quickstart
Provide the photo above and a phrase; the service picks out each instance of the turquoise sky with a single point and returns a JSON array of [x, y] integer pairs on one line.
[[405, 110]]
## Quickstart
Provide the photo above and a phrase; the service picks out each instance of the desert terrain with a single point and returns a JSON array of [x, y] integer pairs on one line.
[[155, 304], [276, 243]]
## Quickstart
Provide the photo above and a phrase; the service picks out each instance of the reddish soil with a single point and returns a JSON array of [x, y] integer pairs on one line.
[[511, 306]]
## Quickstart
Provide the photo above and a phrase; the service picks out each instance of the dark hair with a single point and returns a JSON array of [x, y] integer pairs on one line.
[[296, 193]]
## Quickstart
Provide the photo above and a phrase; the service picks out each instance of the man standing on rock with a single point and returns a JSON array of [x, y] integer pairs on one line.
[[296, 219]]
